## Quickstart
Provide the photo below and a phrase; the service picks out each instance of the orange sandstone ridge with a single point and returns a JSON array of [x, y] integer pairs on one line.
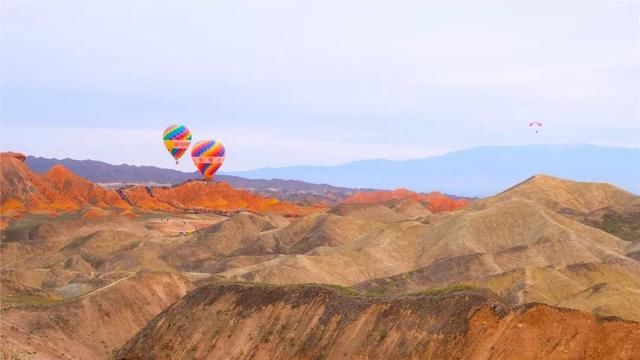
[[202, 196], [61, 190], [82, 191], [434, 201], [22, 190]]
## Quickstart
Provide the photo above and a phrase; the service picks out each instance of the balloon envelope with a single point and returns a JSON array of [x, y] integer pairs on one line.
[[208, 156], [177, 139]]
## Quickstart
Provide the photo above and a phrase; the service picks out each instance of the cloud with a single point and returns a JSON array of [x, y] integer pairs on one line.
[[364, 79]]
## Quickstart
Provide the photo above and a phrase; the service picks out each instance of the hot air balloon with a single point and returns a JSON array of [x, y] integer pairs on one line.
[[536, 125], [177, 139], [208, 156]]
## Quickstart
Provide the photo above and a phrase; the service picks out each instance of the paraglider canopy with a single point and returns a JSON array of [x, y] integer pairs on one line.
[[536, 125]]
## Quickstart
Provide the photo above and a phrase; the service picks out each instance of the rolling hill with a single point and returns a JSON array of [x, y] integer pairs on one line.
[[517, 243]]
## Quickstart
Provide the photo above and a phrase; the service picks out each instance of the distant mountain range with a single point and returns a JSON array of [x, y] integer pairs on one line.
[[472, 172], [479, 171], [102, 172], [60, 190], [116, 175]]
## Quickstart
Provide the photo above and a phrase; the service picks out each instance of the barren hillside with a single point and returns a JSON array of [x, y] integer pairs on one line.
[[310, 322], [92, 326]]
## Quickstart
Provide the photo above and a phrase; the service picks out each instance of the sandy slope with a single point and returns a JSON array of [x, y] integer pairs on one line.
[[92, 326]]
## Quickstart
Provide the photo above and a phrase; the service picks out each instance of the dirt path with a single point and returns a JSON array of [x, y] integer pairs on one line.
[[105, 287]]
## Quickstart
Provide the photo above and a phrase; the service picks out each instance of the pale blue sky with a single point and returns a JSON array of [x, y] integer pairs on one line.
[[315, 83]]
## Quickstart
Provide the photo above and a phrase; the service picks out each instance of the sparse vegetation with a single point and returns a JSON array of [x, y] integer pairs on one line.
[[625, 228], [344, 290], [444, 290], [266, 337]]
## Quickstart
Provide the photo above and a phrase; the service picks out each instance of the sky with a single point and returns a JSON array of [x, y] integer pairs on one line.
[[282, 83]]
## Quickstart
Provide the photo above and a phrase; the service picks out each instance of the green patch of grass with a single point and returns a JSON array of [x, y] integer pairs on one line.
[[382, 335]]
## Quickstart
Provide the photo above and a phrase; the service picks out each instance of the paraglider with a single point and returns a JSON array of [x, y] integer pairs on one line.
[[536, 125], [208, 156], [177, 139]]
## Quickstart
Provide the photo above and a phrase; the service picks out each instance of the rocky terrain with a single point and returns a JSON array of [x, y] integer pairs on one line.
[[59, 190], [312, 322], [495, 276], [92, 326]]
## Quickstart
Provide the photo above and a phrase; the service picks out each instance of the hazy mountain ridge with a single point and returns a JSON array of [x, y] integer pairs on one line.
[[480, 171], [118, 175]]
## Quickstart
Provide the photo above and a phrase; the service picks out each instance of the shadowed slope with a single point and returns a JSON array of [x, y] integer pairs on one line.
[[304, 322]]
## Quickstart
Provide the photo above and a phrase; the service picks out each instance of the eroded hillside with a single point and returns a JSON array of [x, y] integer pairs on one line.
[[92, 326], [311, 322]]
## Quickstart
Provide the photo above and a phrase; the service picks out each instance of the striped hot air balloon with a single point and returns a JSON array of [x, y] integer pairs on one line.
[[208, 156], [177, 139]]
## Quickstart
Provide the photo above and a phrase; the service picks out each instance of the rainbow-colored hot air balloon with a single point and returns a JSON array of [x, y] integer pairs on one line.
[[208, 156], [177, 139]]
